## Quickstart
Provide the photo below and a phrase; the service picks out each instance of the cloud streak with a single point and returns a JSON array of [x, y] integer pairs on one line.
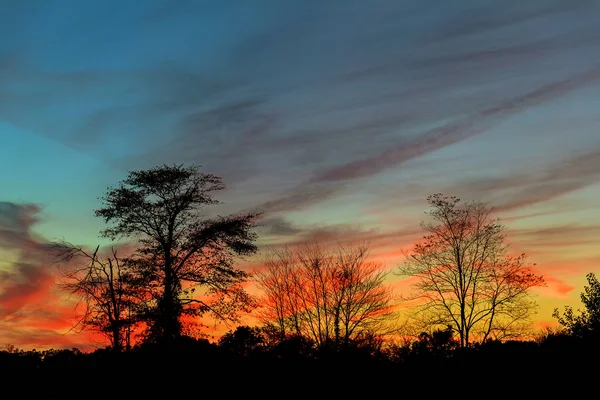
[[325, 184], [454, 132], [557, 178]]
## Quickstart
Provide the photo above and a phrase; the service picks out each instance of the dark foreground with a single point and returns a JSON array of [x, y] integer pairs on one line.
[[197, 369]]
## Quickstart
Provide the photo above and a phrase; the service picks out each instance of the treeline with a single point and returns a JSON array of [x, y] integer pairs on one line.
[[325, 308], [252, 351]]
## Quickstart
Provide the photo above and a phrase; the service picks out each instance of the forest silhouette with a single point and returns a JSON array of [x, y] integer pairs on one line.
[[322, 312]]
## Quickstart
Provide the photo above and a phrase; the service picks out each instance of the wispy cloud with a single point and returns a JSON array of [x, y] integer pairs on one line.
[[454, 132], [544, 183], [325, 183]]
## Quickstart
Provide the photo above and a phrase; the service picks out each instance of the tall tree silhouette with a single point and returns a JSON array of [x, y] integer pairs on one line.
[[327, 295], [465, 277], [585, 324], [185, 260]]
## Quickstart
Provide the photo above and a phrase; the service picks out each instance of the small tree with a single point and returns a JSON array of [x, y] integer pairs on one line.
[[465, 277], [441, 343], [587, 322], [185, 260], [243, 341], [105, 291]]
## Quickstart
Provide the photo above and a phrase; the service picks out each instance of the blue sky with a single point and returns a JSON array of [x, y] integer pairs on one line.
[[337, 118]]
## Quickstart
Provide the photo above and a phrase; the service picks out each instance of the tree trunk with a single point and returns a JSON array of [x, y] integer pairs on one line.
[[168, 327], [116, 332]]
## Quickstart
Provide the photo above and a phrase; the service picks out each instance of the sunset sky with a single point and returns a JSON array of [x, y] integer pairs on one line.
[[337, 118]]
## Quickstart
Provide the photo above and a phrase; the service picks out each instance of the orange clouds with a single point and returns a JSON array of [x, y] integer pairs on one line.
[[556, 288], [33, 312]]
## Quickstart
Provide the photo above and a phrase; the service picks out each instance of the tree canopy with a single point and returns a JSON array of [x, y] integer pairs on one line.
[[585, 323], [185, 261]]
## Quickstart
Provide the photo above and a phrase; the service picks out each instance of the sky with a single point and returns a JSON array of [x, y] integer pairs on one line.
[[336, 118]]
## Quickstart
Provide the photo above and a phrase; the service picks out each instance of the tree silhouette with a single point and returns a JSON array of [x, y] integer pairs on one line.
[[465, 277], [328, 296], [440, 342], [586, 324], [104, 289], [185, 261], [243, 341]]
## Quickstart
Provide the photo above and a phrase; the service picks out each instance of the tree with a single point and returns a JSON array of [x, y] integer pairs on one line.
[[244, 341], [180, 250], [328, 296], [586, 324], [439, 344], [465, 277], [104, 290]]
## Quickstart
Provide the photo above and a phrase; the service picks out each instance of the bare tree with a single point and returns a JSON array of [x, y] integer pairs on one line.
[[103, 288], [361, 300], [279, 286], [465, 276], [329, 296]]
